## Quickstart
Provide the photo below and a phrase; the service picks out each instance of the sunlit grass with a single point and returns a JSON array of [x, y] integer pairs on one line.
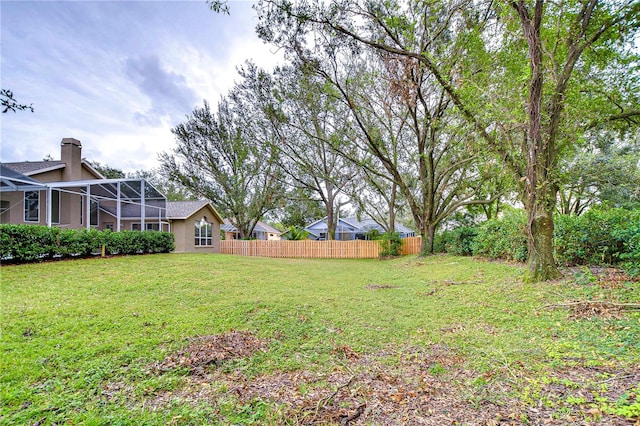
[[73, 329]]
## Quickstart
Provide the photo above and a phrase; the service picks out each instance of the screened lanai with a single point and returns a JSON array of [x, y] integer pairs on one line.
[[133, 200], [10, 181]]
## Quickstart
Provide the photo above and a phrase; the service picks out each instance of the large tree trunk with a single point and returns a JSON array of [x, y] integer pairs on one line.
[[540, 192], [541, 263], [428, 234]]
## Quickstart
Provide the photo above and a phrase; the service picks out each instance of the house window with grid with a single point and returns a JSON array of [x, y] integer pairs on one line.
[[32, 206], [204, 233]]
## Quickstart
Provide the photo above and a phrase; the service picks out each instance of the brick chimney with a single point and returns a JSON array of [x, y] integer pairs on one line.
[[71, 155]]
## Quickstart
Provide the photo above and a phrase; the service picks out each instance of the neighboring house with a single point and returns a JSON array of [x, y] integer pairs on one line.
[[350, 228], [199, 218], [70, 193], [261, 231]]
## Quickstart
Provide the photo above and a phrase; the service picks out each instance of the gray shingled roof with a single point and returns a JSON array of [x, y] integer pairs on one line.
[[260, 227], [29, 167], [184, 209]]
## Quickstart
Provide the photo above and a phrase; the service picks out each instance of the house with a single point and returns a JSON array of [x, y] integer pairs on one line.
[[350, 228], [70, 193], [261, 231], [200, 217]]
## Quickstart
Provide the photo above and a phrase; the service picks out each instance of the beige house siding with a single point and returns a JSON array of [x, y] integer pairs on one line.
[[183, 230], [73, 211]]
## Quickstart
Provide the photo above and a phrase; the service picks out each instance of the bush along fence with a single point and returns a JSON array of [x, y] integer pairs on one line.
[[598, 237], [29, 243], [357, 249]]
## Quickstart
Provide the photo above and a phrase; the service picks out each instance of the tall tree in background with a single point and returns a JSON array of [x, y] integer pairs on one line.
[[173, 190], [293, 105], [404, 129], [217, 157], [517, 53], [312, 121], [604, 172], [107, 171], [299, 209]]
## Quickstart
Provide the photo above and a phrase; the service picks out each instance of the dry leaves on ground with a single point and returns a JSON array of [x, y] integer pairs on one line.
[[214, 349]]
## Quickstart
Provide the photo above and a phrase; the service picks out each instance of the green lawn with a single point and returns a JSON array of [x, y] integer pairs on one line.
[[441, 339]]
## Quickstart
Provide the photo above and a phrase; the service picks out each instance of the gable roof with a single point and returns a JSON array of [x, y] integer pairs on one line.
[[185, 209], [30, 168], [227, 226], [358, 225], [267, 228]]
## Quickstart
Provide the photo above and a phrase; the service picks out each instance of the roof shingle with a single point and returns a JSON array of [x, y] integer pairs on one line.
[[184, 209], [29, 167]]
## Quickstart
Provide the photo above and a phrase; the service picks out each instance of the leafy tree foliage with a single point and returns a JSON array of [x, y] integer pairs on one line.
[[300, 209], [518, 81], [403, 127], [173, 190], [308, 120], [107, 171], [220, 158], [605, 172]]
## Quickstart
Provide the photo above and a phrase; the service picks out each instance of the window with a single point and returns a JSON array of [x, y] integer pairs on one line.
[[203, 233], [151, 226], [32, 206], [55, 206], [93, 212]]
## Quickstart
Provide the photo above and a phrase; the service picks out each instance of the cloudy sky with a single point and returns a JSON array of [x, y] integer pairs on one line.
[[117, 75]]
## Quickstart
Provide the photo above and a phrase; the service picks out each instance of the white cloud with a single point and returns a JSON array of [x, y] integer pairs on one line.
[[117, 75]]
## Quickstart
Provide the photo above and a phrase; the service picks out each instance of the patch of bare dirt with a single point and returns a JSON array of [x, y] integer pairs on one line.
[[604, 277], [595, 308], [420, 386], [363, 391], [379, 286], [214, 349], [613, 278], [589, 309]]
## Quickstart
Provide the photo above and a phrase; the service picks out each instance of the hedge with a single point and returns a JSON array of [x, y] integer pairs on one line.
[[598, 237], [28, 243]]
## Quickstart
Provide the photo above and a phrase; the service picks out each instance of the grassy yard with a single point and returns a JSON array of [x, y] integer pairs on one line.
[[215, 339]]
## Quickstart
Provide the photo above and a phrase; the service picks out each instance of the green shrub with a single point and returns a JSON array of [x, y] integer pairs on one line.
[[295, 233], [458, 241], [28, 243], [599, 237], [373, 234], [391, 244], [502, 238]]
